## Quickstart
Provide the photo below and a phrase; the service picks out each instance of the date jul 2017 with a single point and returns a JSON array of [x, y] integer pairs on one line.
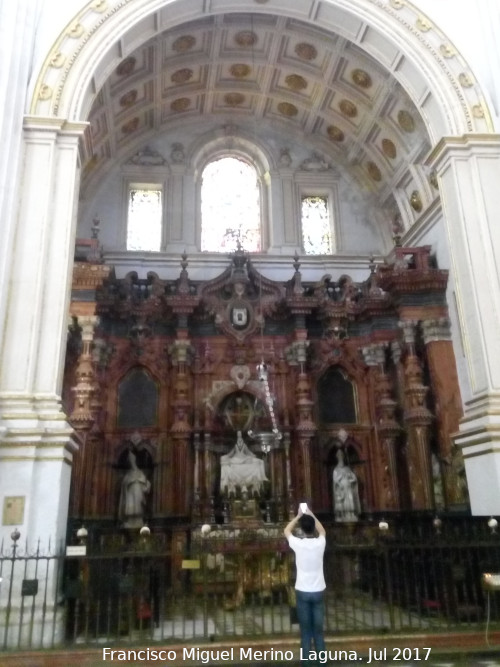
[[397, 653]]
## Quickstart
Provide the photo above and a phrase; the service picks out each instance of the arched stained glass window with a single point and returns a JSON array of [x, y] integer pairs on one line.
[[230, 206]]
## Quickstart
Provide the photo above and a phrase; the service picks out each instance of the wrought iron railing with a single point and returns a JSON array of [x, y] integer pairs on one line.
[[240, 584]]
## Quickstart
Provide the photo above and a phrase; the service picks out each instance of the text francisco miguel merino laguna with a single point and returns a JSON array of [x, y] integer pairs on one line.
[[206, 656]]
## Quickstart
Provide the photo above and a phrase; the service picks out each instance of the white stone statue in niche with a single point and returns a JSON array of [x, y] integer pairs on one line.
[[347, 506], [241, 469], [135, 488]]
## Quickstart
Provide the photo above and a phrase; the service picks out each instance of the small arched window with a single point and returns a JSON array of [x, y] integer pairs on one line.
[[230, 206]]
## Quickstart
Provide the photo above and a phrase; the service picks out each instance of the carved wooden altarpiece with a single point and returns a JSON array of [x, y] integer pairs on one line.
[[168, 368]]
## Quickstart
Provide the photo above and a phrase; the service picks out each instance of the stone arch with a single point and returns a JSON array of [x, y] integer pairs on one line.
[[207, 147], [82, 57]]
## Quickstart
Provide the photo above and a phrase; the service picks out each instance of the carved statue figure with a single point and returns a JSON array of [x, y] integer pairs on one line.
[[135, 488], [241, 468], [347, 506]]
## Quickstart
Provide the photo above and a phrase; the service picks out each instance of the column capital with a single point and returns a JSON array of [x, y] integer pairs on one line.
[[88, 324], [408, 327], [55, 125], [296, 353], [180, 351], [436, 329], [374, 354], [467, 144]]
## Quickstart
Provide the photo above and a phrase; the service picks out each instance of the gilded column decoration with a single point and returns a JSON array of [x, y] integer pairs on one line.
[[197, 513], [388, 429], [182, 303], [417, 420], [81, 416], [292, 355], [448, 407], [206, 410], [84, 411], [282, 480], [305, 426], [292, 510], [180, 352]]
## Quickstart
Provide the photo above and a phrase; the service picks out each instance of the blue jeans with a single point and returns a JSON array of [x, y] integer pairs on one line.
[[310, 613]]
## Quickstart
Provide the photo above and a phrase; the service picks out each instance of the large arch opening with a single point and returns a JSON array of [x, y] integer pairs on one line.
[[358, 122], [392, 44]]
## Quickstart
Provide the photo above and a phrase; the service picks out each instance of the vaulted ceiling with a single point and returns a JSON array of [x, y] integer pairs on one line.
[[270, 70]]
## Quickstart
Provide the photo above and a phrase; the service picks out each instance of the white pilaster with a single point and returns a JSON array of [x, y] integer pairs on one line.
[[18, 23], [283, 230], [35, 440], [469, 172]]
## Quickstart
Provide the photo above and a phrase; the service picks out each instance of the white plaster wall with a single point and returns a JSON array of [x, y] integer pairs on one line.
[[358, 227]]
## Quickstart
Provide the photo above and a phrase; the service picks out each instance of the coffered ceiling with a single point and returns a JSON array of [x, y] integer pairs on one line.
[[267, 70]]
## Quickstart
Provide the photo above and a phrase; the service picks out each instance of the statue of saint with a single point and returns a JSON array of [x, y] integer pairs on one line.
[[345, 491], [135, 487], [241, 468]]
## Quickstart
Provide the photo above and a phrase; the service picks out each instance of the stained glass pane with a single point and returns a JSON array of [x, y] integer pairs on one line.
[[316, 227], [230, 206], [144, 219]]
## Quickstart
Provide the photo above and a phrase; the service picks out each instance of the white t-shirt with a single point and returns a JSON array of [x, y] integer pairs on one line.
[[309, 562]]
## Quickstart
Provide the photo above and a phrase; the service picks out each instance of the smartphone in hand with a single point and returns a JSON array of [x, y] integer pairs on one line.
[[303, 507]]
